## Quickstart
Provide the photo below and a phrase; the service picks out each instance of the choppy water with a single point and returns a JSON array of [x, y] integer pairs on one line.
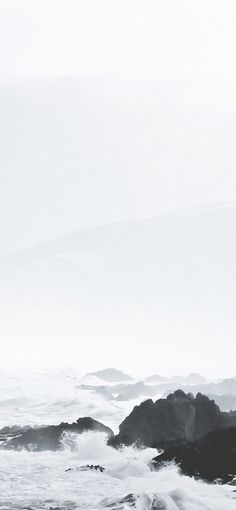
[[31, 480]]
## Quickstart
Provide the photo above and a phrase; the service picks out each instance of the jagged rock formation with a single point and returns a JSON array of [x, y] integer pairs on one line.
[[178, 419], [213, 457], [49, 437]]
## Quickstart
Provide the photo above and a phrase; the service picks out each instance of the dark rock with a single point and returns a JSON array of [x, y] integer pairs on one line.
[[211, 458], [121, 504], [87, 467], [7, 433], [49, 437], [174, 421]]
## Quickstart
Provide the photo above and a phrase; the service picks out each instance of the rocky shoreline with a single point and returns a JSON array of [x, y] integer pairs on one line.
[[191, 431]]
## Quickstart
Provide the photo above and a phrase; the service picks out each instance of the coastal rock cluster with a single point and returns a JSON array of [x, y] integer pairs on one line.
[[173, 421], [213, 458], [49, 437], [192, 431]]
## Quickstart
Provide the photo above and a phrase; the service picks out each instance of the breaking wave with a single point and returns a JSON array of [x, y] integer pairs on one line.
[[39, 480], [36, 481]]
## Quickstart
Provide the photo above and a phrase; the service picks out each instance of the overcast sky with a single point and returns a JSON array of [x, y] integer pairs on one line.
[[172, 40], [110, 111]]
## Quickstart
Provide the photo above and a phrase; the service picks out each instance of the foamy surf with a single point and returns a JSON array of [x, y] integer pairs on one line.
[[40, 481]]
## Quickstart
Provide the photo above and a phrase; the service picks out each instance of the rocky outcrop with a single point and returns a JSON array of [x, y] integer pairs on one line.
[[49, 437], [211, 458], [8, 433], [175, 420]]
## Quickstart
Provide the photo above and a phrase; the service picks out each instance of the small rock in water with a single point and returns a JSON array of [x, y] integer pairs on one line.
[[86, 467], [130, 500]]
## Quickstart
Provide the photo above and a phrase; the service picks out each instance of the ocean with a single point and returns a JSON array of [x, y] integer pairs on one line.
[[53, 480]]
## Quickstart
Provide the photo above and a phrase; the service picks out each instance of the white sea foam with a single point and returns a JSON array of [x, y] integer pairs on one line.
[[49, 398], [39, 481]]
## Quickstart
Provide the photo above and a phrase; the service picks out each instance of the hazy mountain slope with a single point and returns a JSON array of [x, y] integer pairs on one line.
[[171, 278], [189, 253], [111, 375], [83, 151]]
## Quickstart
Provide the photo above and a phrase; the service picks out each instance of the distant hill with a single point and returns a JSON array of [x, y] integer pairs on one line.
[[225, 387], [193, 378], [111, 375], [134, 290], [225, 402], [156, 379]]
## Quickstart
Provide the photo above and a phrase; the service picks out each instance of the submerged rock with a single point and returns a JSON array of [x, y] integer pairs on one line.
[[87, 467], [120, 504], [172, 421], [49, 437], [213, 458]]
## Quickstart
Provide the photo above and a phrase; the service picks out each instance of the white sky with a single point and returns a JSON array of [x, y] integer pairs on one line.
[[184, 40], [172, 40], [113, 110], [162, 82]]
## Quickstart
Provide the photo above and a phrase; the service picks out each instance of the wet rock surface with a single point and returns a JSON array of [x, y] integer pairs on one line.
[[213, 458], [87, 467], [49, 437], [173, 421]]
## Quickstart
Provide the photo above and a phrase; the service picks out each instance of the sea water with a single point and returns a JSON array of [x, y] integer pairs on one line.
[[40, 480]]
